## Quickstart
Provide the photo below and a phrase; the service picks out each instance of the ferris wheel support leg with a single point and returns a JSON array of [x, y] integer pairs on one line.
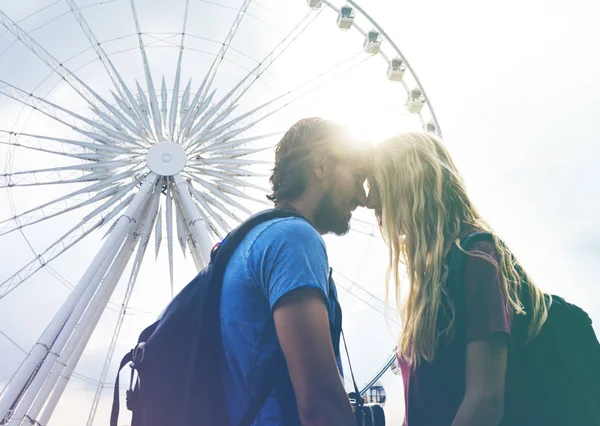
[[61, 385], [71, 333], [81, 335], [58, 323], [195, 222]]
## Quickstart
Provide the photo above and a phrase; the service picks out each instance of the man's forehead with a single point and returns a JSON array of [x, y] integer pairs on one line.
[[358, 163], [355, 149]]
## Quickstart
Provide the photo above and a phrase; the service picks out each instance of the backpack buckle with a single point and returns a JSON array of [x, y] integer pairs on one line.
[[215, 250], [138, 353]]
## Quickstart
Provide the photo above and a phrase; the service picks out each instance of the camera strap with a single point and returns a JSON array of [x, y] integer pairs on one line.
[[356, 394]]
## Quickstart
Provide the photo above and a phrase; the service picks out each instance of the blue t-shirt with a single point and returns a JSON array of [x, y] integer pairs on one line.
[[275, 258]]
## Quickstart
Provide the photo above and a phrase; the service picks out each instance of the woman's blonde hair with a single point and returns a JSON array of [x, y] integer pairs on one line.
[[425, 209]]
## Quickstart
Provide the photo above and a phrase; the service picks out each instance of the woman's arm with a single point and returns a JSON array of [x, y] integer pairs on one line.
[[485, 377]]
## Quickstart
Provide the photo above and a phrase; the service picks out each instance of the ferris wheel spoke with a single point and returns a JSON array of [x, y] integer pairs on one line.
[[237, 172], [123, 121], [219, 118], [205, 213], [27, 221], [309, 85], [231, 98], [185, 99], [133, 110], [205, 201], [305, 88], [227, 212], [33, 179], [212, 72], [200, 125], [88, 156], [364, 296], [195, 110], [174, 101], [236, 153], [219, 186], [227, 178], [248, 81], [55, 112], [365, 227], [53, 251], [164, 100], [108, 119], [94, 148], [103, 165], [221, 145], [214, 193], [151, 92], [146, 109], [31, 15], [224, 188], [182, 235], [158, 233], [112, 72], [28, 217], [121, 192], [195, 249], [241, 162], [87, 178], [86, 93], [232, 126]]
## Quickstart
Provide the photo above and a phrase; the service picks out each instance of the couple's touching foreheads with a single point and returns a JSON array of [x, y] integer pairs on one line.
[[255, 338]]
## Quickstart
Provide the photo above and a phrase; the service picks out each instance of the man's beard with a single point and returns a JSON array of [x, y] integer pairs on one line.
[[328, 220]]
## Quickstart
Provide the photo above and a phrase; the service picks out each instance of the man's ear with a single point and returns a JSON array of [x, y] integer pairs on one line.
[[320, 167]]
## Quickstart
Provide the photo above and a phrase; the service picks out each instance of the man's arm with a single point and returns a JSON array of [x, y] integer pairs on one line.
[[302, 326], [485, 375]]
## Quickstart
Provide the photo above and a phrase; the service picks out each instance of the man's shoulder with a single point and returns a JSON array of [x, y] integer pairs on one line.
[[282, 231]]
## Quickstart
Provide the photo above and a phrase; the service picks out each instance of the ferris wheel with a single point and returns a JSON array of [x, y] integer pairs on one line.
[[129, 126]]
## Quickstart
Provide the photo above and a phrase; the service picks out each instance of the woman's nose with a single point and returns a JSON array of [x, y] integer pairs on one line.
[[371, 202]]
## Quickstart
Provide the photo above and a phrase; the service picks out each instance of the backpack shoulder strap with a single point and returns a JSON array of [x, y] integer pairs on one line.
[[457, 256], [225, 248], [114, 413], [456, 264], [276, 364]]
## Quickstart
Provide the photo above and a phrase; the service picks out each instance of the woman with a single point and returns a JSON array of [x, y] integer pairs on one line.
[[455, 342]]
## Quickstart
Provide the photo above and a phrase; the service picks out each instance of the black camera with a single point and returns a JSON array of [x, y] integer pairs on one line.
[[370, 414]]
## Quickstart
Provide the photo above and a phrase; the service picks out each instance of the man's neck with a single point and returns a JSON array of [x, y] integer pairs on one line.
[[302, 207]]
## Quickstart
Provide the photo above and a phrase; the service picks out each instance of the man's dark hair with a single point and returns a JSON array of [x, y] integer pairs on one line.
[[295, 153]]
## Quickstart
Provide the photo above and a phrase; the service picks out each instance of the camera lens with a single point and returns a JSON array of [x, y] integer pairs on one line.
[[372, 415]]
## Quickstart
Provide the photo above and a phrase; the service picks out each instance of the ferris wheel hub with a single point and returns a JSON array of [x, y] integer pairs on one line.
[[166, 158]]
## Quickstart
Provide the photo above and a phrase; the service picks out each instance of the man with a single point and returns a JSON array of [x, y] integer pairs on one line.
[[277, 294]]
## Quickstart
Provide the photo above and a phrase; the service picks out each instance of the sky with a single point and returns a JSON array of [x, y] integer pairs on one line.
[[513, 85]]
